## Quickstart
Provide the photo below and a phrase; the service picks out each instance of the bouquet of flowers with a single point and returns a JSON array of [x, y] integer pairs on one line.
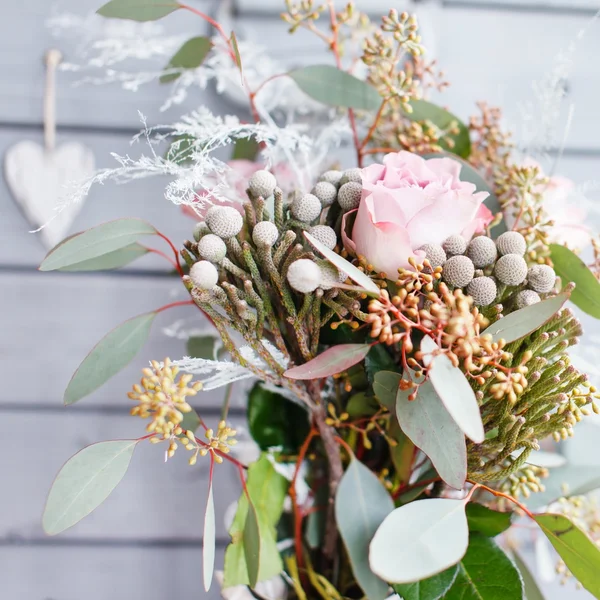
[[404, 320]]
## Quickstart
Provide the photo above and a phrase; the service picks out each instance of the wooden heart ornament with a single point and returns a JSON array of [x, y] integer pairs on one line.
[[37, 178]]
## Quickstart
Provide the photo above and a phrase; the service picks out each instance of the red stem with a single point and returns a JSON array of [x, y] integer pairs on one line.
[[503, 495], [177, 265], [174, 304], [160, 253], [216, 25]]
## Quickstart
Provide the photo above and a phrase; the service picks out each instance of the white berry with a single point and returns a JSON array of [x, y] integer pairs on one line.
[[454, 245], [306, 208], [349, 195], [204, 275], [511, 269], [304, 276], [224, 221], [200, 229], [434, 254], [325, 235], [262, 183], [326, 192], [211, 247], [527, 298], [265, 232], [458, 271], [351, 175], [482, 251], [541, 278], [483, 291], [332, 176], [511, 242]]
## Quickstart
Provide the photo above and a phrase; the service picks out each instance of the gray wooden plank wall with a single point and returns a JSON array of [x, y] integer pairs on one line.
[[144, 542]]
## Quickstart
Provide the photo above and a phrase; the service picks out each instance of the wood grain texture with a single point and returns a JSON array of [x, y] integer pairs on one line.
[[155, 500]]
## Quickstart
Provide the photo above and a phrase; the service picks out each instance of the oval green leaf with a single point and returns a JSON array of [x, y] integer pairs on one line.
[[84, 482], [531, 588], [419, 540], [454, 391], [429, 426], [138, 10], [432, 588], [333, 360], [345, 266], [485, 573], [209, 539], [442, 119], [569, 267], [252, 545], [112, 260], [580, 554], [522, 322], [190, 56], [109, 356], [361, 505], [330, 85], [487, 521], [95, 242]]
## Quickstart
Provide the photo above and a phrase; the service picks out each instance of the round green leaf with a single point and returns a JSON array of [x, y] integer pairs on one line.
[[485, 573], [522, 322], [84, 482], [112, 260], [110, 355], [96, 242], [419, 540], [442, 119], [333, 360], [330, 85], [432, 588], [429, 426], [190, 56], [570, 268], [361, 505], [138, 10], [487, 521], [580, 554]]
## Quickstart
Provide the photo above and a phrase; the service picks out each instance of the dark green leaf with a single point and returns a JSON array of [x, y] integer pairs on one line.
[[96, 242], [386, 387], [138, 10], [580, 554], [422, 483], [362, 405], [112, 260], [431, 588], [269, 418], [190, 56], [361, 505], [379, 359], [570, 268], [443, 120], [402, 453], [485, 573], [203, 346], [109, 356], [245, 149], [532, 591], [252, 546], [333, 86], [84, 482], [487, 521]]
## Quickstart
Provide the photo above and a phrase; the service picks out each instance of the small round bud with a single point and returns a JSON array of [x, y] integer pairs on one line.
[[325, 234], [262, 183], [458, 271], [306, 208], [304, 275], [330, 275], [541, 278], [211, 247], [332, 177], [511, 269], [526, 298], [326, 192], [482, 251], [455, 245], [349, 195], [265, 232], [204, 275], [351, 175], [434, 254], [511, 242], [224, 221], [483, 290], [200, 229]]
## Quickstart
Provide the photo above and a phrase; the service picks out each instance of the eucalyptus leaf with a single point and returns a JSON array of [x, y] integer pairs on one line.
[[190, 56], [245, 149], [96, 242], [570, 268], [362, 404], [379, 359], [204, 346], [442, 119], [454, 391], [487, 521], [430, 427], [330, 85], [138, 10], [386, 387], [361, 505], [113, 260], [524, 321], [84, 482], [485, 573], [402, 453], [252, 545], [419, 540], [432, 588], [345, 266], [531, 588], [333, 360], [236, 51], [109, 356], [191, 421], [209, 539], [580, 554]]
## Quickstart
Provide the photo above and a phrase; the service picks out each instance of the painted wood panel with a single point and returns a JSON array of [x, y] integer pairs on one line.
[[155, 500]]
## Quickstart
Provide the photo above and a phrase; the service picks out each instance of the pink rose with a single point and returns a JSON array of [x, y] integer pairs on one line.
[[408, 202]]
